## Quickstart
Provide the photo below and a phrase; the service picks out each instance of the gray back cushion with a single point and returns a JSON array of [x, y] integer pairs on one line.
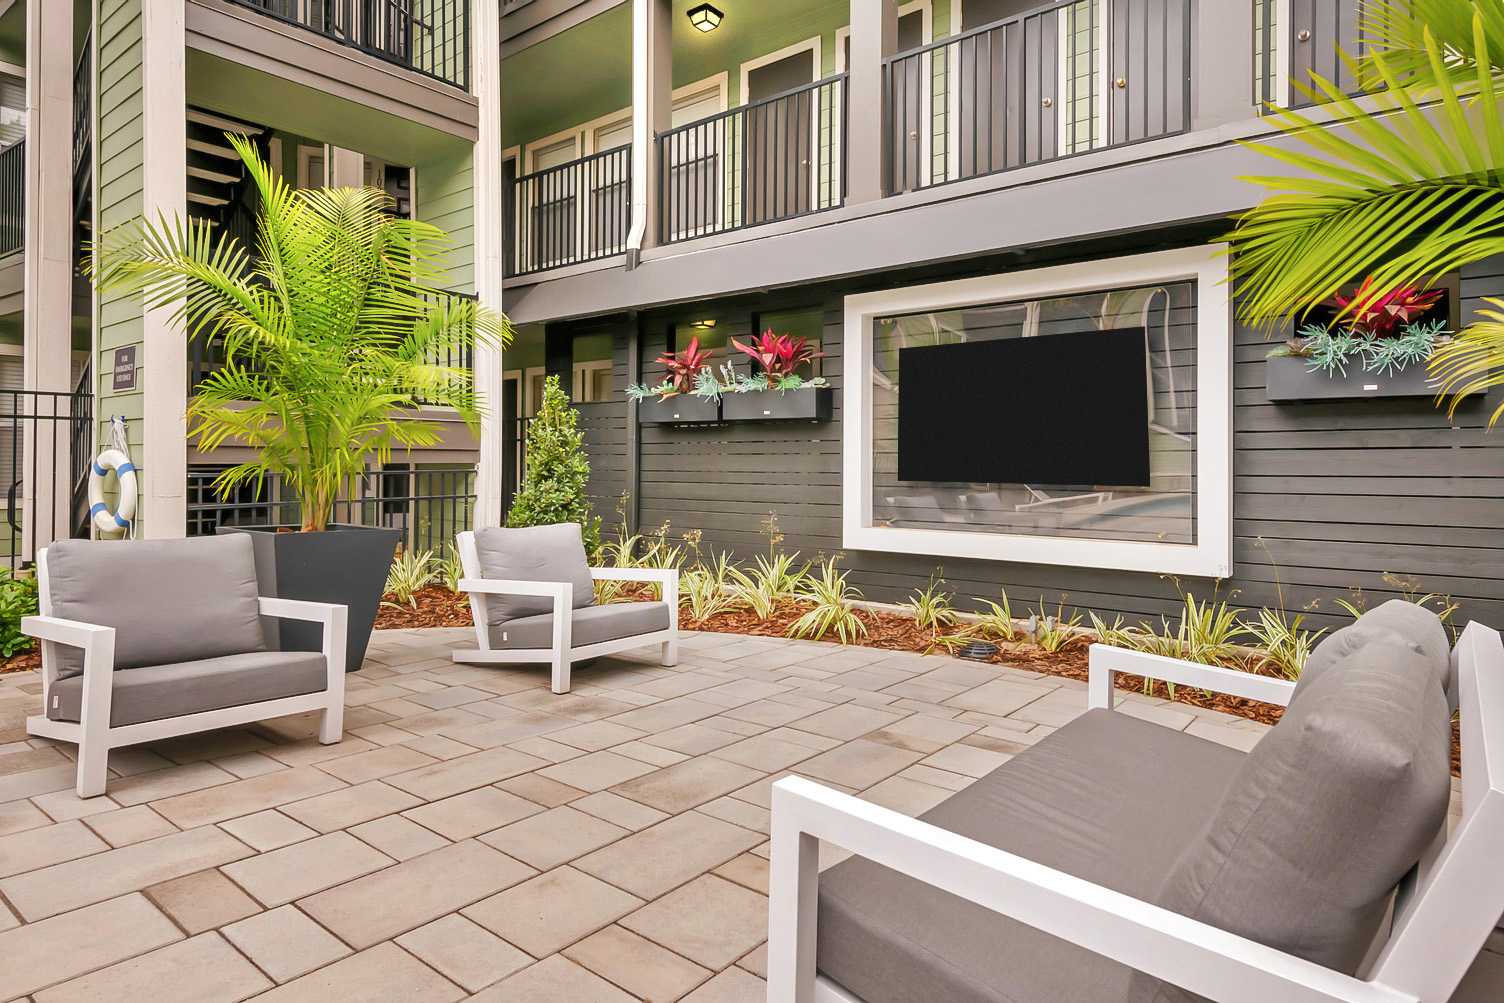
[[1331, 809], [168, 600], [534, 554], [1397, 622]]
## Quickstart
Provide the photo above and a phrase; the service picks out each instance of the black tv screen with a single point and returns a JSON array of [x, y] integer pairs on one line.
[[1060, 409]]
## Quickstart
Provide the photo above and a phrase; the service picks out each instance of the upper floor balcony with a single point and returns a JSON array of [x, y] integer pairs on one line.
[[431, 37], [984, 88]]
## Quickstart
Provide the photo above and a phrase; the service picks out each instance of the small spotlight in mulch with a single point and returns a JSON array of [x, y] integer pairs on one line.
[[979, 651]]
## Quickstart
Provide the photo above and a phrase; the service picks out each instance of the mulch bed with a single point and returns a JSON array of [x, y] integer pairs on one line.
[[22, 661]]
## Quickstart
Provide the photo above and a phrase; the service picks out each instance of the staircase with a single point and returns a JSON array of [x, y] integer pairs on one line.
[[220, 190]]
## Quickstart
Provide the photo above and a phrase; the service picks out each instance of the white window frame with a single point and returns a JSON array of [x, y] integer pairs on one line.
[[1210, 556], [306, 153]]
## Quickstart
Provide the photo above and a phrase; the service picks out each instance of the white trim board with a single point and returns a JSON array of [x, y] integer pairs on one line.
[[1210, 556], [809, 44]]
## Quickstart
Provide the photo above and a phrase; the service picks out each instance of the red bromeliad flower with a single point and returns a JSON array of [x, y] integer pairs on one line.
[[1385, 314], [779, 355], [683, 366]]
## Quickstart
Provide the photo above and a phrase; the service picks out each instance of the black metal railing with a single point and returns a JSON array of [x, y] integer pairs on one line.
[[1054, 82], [44, 454], [83, 104], [1319, 34], [777, 158], [429, 506], [13, 197], [436, 44], [575, 212]]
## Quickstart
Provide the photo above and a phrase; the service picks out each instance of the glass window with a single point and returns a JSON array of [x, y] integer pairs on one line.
[[1161, 512]]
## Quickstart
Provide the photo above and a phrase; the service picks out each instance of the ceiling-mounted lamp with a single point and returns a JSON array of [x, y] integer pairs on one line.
[[705, 17]]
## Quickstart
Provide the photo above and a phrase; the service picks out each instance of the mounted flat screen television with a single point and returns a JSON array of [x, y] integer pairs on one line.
[[1059, 409]]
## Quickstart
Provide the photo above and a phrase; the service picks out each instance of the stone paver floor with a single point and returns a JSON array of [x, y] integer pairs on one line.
[[476, 835]]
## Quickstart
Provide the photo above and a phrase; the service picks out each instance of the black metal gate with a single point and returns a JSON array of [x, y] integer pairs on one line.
[[45, 441]]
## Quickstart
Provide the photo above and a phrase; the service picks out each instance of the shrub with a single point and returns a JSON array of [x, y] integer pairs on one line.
[[834, 607], [18, 598], [409, 573], [553, 487]]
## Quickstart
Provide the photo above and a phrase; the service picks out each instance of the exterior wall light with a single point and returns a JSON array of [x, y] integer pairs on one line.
[[705, 17]]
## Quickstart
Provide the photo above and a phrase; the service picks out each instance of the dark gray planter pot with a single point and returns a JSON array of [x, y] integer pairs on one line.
[[681, 409], [804, 404], [1290, 378], [344, 564]]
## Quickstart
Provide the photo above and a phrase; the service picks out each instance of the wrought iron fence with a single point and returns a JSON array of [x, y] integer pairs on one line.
[[571, 213], [429, 506], [1055, 82], [777, 158], [13, 197], [45, 440], [83, 104], [429, 36]]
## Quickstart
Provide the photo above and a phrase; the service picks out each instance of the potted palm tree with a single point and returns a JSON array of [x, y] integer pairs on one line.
[[333, 336]]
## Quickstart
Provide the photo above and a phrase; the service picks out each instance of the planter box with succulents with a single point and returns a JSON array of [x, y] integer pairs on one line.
[[1292, 378], [809, 402], [678, 409], [694, 393]]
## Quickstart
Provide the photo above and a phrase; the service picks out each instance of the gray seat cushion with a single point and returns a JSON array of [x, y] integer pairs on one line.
[[168, 600], [1109, 798], [1331, 809], [154, 692], [590, 625], [1395, 622], [534, 554]]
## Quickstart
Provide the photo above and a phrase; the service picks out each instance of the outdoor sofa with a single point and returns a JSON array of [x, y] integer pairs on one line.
[[149, 639], [532, 595], [1122, 860]]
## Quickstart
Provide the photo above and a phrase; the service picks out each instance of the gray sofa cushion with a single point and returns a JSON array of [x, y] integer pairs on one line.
[[535, 554], [153, 692], [1331, 809], [168, 600], [1396, 622], [590, 625], [1109, 798]]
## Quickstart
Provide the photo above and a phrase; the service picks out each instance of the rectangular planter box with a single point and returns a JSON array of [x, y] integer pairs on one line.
[[681, 409], [1289, 378], [804, 404]]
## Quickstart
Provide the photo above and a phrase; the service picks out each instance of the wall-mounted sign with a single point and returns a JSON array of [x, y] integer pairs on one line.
[[124, 369]]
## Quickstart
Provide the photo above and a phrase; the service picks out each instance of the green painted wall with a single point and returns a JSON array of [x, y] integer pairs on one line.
[[119, 199], [444, 193]]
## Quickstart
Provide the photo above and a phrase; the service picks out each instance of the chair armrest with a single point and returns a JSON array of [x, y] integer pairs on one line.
[[511, 587], [74, 633], [1201, 958], [1107, 661], [334, 617], [660, 576], [299, 609]]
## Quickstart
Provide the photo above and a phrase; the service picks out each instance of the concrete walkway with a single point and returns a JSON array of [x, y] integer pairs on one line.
[[475, 834]]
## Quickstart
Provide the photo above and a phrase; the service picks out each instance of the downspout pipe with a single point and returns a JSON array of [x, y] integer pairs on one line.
[[644, 56]]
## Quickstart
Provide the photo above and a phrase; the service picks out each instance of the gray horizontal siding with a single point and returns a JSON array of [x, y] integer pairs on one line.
[[1328, 497]]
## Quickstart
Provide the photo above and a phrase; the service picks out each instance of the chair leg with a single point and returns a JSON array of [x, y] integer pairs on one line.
[[93, 767], [671, 652], [561, 667], [332, 724]]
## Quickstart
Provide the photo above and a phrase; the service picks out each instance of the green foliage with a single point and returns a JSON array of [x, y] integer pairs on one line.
[[331, 330], [553, 487], [772, 580], [1053, 632], [450, 569], [18, 598], [1284, 644], [1413, 188], [931, 608], [706, 589], [409, 573], [1329, 351], [833, 601]]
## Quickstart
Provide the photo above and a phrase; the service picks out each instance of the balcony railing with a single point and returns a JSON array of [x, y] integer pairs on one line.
[[12, 198], [83, 90], [575, 212], [772, 159], [429, 36], [1313, 42], [1062, 80]]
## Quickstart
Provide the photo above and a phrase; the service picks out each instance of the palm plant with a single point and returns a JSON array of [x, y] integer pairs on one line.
[[330, 325], [1415, 190]]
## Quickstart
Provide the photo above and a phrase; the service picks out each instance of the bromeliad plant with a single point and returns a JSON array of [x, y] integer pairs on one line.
[[1382, 331], [331, 330], [685, 371], [779, 358]]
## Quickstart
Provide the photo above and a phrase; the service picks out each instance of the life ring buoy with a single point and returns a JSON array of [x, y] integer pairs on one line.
[[116, 522]]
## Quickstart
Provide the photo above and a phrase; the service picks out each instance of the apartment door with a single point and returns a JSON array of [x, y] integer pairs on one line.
[[696, 198], [552, 212], [911, 121], [778, 139], [610, 192]]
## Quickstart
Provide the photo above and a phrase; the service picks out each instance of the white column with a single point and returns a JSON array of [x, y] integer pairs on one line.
[[347, 168], [652, 112], [874, 37], [164, 345], [489, 236], [47, 342]]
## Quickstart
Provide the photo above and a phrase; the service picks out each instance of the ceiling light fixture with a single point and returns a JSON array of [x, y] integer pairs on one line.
[[705, 17]]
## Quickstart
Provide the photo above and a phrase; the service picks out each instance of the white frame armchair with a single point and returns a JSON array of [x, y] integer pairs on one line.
[[561, 655], [95, 736], [1441, 918]]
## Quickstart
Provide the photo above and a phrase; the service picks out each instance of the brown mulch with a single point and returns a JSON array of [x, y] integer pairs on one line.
[[22, 661]]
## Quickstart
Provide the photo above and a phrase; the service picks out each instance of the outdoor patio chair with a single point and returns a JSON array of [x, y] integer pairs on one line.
[[533, 598], [149, 639], [1122, 860]]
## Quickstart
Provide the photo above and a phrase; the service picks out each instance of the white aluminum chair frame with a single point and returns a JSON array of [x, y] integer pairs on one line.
[[1442, 916], [563, 652], [95, 736]]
